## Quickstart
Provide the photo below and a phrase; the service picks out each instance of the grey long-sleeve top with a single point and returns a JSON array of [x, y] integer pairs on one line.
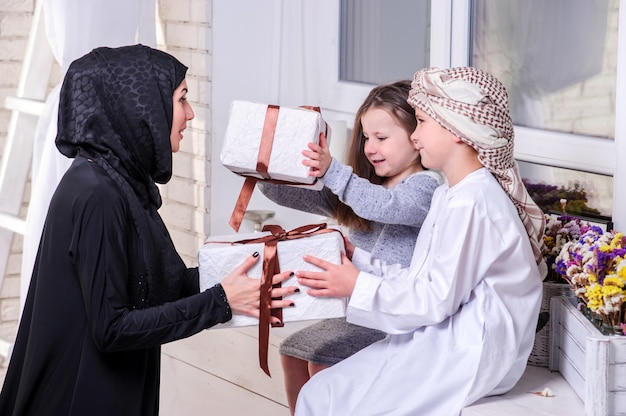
[[396, 213]]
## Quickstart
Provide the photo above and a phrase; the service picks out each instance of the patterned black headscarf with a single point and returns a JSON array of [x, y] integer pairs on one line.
[[116, 103], [116, 109]]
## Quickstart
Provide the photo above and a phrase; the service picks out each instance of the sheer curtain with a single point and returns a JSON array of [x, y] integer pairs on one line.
[[73, 28], [539, 47]]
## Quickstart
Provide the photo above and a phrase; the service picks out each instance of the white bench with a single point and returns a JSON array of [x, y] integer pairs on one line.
[[521, 402], [218, 371]]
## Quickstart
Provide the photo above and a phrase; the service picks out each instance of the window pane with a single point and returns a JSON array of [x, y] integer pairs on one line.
[[581, 193], [557, 58], [383, 41]]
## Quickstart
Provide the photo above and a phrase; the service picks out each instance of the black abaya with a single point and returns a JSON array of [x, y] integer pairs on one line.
[[81, 348]]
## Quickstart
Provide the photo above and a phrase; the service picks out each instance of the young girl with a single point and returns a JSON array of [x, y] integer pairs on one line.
[[462, 316], [381, 197]]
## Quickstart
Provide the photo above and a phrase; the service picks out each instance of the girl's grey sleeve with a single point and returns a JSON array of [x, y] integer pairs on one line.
[[406, 203], [307, 200]]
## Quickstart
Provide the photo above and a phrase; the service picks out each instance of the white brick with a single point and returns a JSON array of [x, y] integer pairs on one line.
[[11, 287], [10, 309], [182, 191], [185, 242], [14, 265], [201, 168], [195, 142], [178, 10], [202, 11], [180, 165], [10, 74], [17, 6], [13, 49], [15, 25], [179, 216], [186, 35]]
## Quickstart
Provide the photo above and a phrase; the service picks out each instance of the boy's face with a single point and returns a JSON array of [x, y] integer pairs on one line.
[[432, 140]]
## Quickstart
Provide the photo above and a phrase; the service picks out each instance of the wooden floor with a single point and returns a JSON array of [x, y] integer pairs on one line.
[[216, 372]]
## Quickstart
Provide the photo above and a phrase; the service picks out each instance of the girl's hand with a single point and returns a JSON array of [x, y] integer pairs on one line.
[[319, 157], [243, 292], [336, 280]]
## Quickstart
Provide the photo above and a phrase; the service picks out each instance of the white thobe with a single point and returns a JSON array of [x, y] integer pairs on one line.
[[461, 319]]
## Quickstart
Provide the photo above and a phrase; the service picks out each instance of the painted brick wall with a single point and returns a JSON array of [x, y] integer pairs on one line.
[[186, 34], [15, 23]]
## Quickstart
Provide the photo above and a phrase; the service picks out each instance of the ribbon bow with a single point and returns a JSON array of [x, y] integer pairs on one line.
[[271, 267]]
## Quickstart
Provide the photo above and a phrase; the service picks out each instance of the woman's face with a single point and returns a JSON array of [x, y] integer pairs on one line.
[[182, 113]]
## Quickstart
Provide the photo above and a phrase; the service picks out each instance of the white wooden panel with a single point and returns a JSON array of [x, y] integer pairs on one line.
[[617, 380], [572, 375], [588, 360]]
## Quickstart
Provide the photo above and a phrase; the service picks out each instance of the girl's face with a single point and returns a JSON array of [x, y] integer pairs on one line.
[[388, 146], [182, 113], [433, 141]]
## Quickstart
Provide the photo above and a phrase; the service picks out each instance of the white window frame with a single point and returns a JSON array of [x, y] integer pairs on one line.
[[450, 37]]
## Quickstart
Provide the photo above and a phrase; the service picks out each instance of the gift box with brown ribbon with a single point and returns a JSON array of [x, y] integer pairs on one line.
[[279, 250], [265, 142]]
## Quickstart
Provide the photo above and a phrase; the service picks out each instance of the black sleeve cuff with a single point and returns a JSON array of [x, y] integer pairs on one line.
[[220, 295]]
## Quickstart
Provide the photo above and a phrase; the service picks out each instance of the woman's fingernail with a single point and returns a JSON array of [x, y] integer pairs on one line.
[[292, 274], [291, 305], [255, 254], [297, 290]]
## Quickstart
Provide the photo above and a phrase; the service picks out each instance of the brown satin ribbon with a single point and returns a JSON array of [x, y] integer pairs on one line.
[[271, 267], [263, 160]]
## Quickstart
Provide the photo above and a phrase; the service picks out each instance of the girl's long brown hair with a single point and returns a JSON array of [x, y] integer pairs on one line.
[[391, 98]]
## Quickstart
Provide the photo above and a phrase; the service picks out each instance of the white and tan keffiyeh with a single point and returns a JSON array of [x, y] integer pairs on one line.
[[474, 106]]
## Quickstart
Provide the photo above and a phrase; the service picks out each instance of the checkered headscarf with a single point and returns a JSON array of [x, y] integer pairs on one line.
[[474, 106]]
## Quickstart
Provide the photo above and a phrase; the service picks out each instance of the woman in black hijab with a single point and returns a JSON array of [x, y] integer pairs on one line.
[[108, 287]]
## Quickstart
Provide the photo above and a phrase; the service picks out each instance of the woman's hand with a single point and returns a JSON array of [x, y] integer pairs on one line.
[[336, 280], [319, 157], [243, 292]]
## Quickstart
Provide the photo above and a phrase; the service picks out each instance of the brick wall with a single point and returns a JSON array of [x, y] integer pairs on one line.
[[186, 32], [15, 23]]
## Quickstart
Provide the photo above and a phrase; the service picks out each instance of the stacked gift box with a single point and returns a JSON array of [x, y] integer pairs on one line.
[[221, 254]]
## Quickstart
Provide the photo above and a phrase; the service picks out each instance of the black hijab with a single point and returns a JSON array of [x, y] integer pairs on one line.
[[116, 109]]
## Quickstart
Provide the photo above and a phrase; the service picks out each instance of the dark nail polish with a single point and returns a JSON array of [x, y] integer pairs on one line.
[[291, 305], [255, 254], [297, 290], [292, 274]]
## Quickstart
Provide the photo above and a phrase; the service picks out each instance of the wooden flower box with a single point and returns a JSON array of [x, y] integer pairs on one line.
[[592, 363]]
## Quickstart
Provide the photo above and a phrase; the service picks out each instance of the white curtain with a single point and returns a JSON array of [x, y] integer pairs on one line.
[[73, 28]]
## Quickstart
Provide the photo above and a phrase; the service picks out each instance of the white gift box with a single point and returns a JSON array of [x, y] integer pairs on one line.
[[218, 257], [295, 128]]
